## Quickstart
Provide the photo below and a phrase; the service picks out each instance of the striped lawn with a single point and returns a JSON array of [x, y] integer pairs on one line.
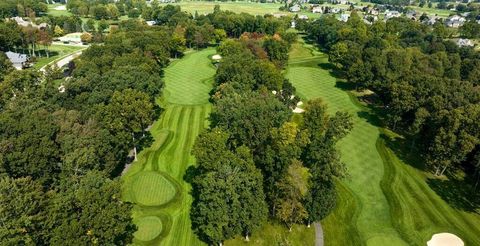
[[186, 109], [387, 201]]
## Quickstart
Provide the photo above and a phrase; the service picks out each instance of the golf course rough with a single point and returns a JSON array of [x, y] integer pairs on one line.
[[384, 201], [155, 182]]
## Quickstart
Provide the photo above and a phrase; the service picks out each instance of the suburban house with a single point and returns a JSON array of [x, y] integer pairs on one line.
[[392, 14], [431, 20], [344, 2], [151, 23], [344, 17], [19, 61], [295, 8], [463, 42], [335, 10], [319, 9], [455, 21], [21, 22], [411, 14], [303, 17]]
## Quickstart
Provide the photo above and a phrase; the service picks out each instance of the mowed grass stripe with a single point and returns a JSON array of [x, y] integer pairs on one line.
[[185, 78], [186, 108], [358, 151], [414, 210]]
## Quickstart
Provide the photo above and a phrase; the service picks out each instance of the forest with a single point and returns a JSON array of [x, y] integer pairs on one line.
[[70, 157]]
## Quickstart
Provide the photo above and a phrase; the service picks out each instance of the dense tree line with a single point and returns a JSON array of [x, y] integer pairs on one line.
[[60, 151], [23, 8], [257, 161], [427, 85]]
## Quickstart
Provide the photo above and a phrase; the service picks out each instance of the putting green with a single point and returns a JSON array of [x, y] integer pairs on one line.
[[149, 228], [152, 189]]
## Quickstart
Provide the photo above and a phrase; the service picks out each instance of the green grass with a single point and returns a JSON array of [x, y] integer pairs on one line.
[[52, 11], [190, 78], [56, 53], [204, 7], [149, 228], [152, 189], [384, 201], [185, 101], [278, 234]]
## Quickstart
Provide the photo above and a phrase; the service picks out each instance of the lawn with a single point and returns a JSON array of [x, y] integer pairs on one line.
[[56, 53], [384, 201], [204, 7], [186, 107], [274, 233], [56, 12]]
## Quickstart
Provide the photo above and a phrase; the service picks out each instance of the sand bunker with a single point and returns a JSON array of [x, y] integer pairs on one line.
[[445, 239], [299, 110]]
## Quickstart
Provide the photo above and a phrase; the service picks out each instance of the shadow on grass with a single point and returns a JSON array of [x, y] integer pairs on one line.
[[405, 150], [344, 85], [457, 193]]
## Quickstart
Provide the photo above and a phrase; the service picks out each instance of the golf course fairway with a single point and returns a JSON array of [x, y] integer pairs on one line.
[[155, 182], [383, 201]]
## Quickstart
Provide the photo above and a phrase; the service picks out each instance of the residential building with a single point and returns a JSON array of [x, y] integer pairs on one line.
[[463, 42], [19, 61], [455, 21]]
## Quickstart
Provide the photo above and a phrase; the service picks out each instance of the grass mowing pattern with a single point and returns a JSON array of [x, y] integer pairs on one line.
[[388, 201], [186, 111], [152, 189], [180, 74], [148, 228]]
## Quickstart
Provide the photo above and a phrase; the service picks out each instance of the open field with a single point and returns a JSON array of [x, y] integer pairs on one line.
[[204, 7], [56, 10], [278, 234], [384, 201], [186, 110], [56, 53]]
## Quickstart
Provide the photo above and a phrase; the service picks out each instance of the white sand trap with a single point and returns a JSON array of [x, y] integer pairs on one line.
[[300, 103], [61, 7], [217, 57], [298, 110], [445, 239]]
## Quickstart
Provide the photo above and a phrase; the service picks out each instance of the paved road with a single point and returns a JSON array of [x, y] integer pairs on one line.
[[63, 61], [318, 234]]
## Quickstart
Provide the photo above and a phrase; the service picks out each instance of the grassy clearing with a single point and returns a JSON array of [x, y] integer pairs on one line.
[[238, 7], [54, 12], [152, 189], [274, 233], [56, 53], [149, 228], [190, 79], [204, 7], [384, 201], [186, 110]]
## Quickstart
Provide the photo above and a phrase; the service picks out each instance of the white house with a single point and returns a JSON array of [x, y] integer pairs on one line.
[[455, 21], [295, 8], [303, 17], [344, 17], [465, 42], [392, 14], [318, 9]]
